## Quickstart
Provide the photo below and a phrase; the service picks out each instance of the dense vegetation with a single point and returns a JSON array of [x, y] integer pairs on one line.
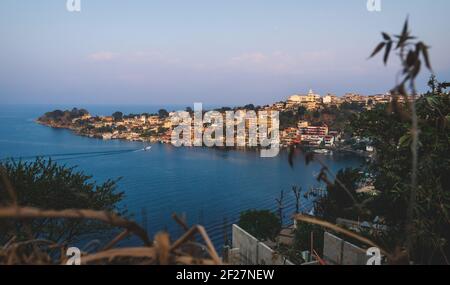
[[337, 118], [46, 185], [390, 132], [264, 225], [63, 117], [411, 169]]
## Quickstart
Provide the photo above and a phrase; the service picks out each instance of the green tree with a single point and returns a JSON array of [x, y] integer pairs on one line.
[[390, 130], [316, 114], [262, 224], [163, 113], [338, 203], [288, 120], [118, 116], [303, 235], [249, 107], [148, 133], [162, 130], [46, 185], [415, 178], [302, 111]]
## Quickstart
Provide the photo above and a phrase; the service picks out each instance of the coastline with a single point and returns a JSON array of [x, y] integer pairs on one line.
[[330, 150]]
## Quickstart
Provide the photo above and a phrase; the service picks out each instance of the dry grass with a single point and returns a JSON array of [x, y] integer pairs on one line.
[[160, 251]]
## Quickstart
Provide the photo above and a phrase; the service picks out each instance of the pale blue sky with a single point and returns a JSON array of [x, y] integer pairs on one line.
[[225, 52]]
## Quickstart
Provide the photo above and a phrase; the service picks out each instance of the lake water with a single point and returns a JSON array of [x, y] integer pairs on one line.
[[206, 185]]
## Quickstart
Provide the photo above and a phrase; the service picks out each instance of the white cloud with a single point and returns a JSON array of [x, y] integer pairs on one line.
[[103, 56], [280, 62], [135, 57], [252, 58], [301, 63]]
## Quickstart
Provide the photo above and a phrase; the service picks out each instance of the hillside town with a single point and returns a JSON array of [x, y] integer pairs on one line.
[[310, 120]]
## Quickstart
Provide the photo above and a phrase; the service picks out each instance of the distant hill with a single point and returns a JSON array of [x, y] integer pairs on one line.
[[62, 118]]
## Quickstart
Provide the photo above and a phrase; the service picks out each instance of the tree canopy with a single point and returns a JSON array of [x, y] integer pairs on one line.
[[46, 185], [262, 224]]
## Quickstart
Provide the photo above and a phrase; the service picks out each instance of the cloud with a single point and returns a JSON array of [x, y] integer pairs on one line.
[[297, 63], [252, 58], [136, 57], [103, 56], [277, 62], [153, 57]]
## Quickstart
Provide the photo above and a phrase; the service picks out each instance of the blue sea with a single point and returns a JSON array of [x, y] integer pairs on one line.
[[208, 186]]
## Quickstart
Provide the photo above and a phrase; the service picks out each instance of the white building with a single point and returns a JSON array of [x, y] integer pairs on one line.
[[327, 99], [310, 97]]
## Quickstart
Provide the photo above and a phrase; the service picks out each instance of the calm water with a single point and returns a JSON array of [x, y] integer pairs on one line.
[[206, 185]]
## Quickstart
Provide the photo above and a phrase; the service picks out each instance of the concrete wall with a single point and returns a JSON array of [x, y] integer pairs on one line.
[[247, 245], [247, 250], [338, 251]]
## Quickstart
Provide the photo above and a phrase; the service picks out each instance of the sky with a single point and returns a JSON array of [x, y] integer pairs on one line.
[[227, 52]]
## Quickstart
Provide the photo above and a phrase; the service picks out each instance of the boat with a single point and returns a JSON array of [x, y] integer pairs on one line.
[[322, 151], [147, 148]]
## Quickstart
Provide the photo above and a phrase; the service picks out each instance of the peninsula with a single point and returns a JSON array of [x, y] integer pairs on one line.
[[308, 120]]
